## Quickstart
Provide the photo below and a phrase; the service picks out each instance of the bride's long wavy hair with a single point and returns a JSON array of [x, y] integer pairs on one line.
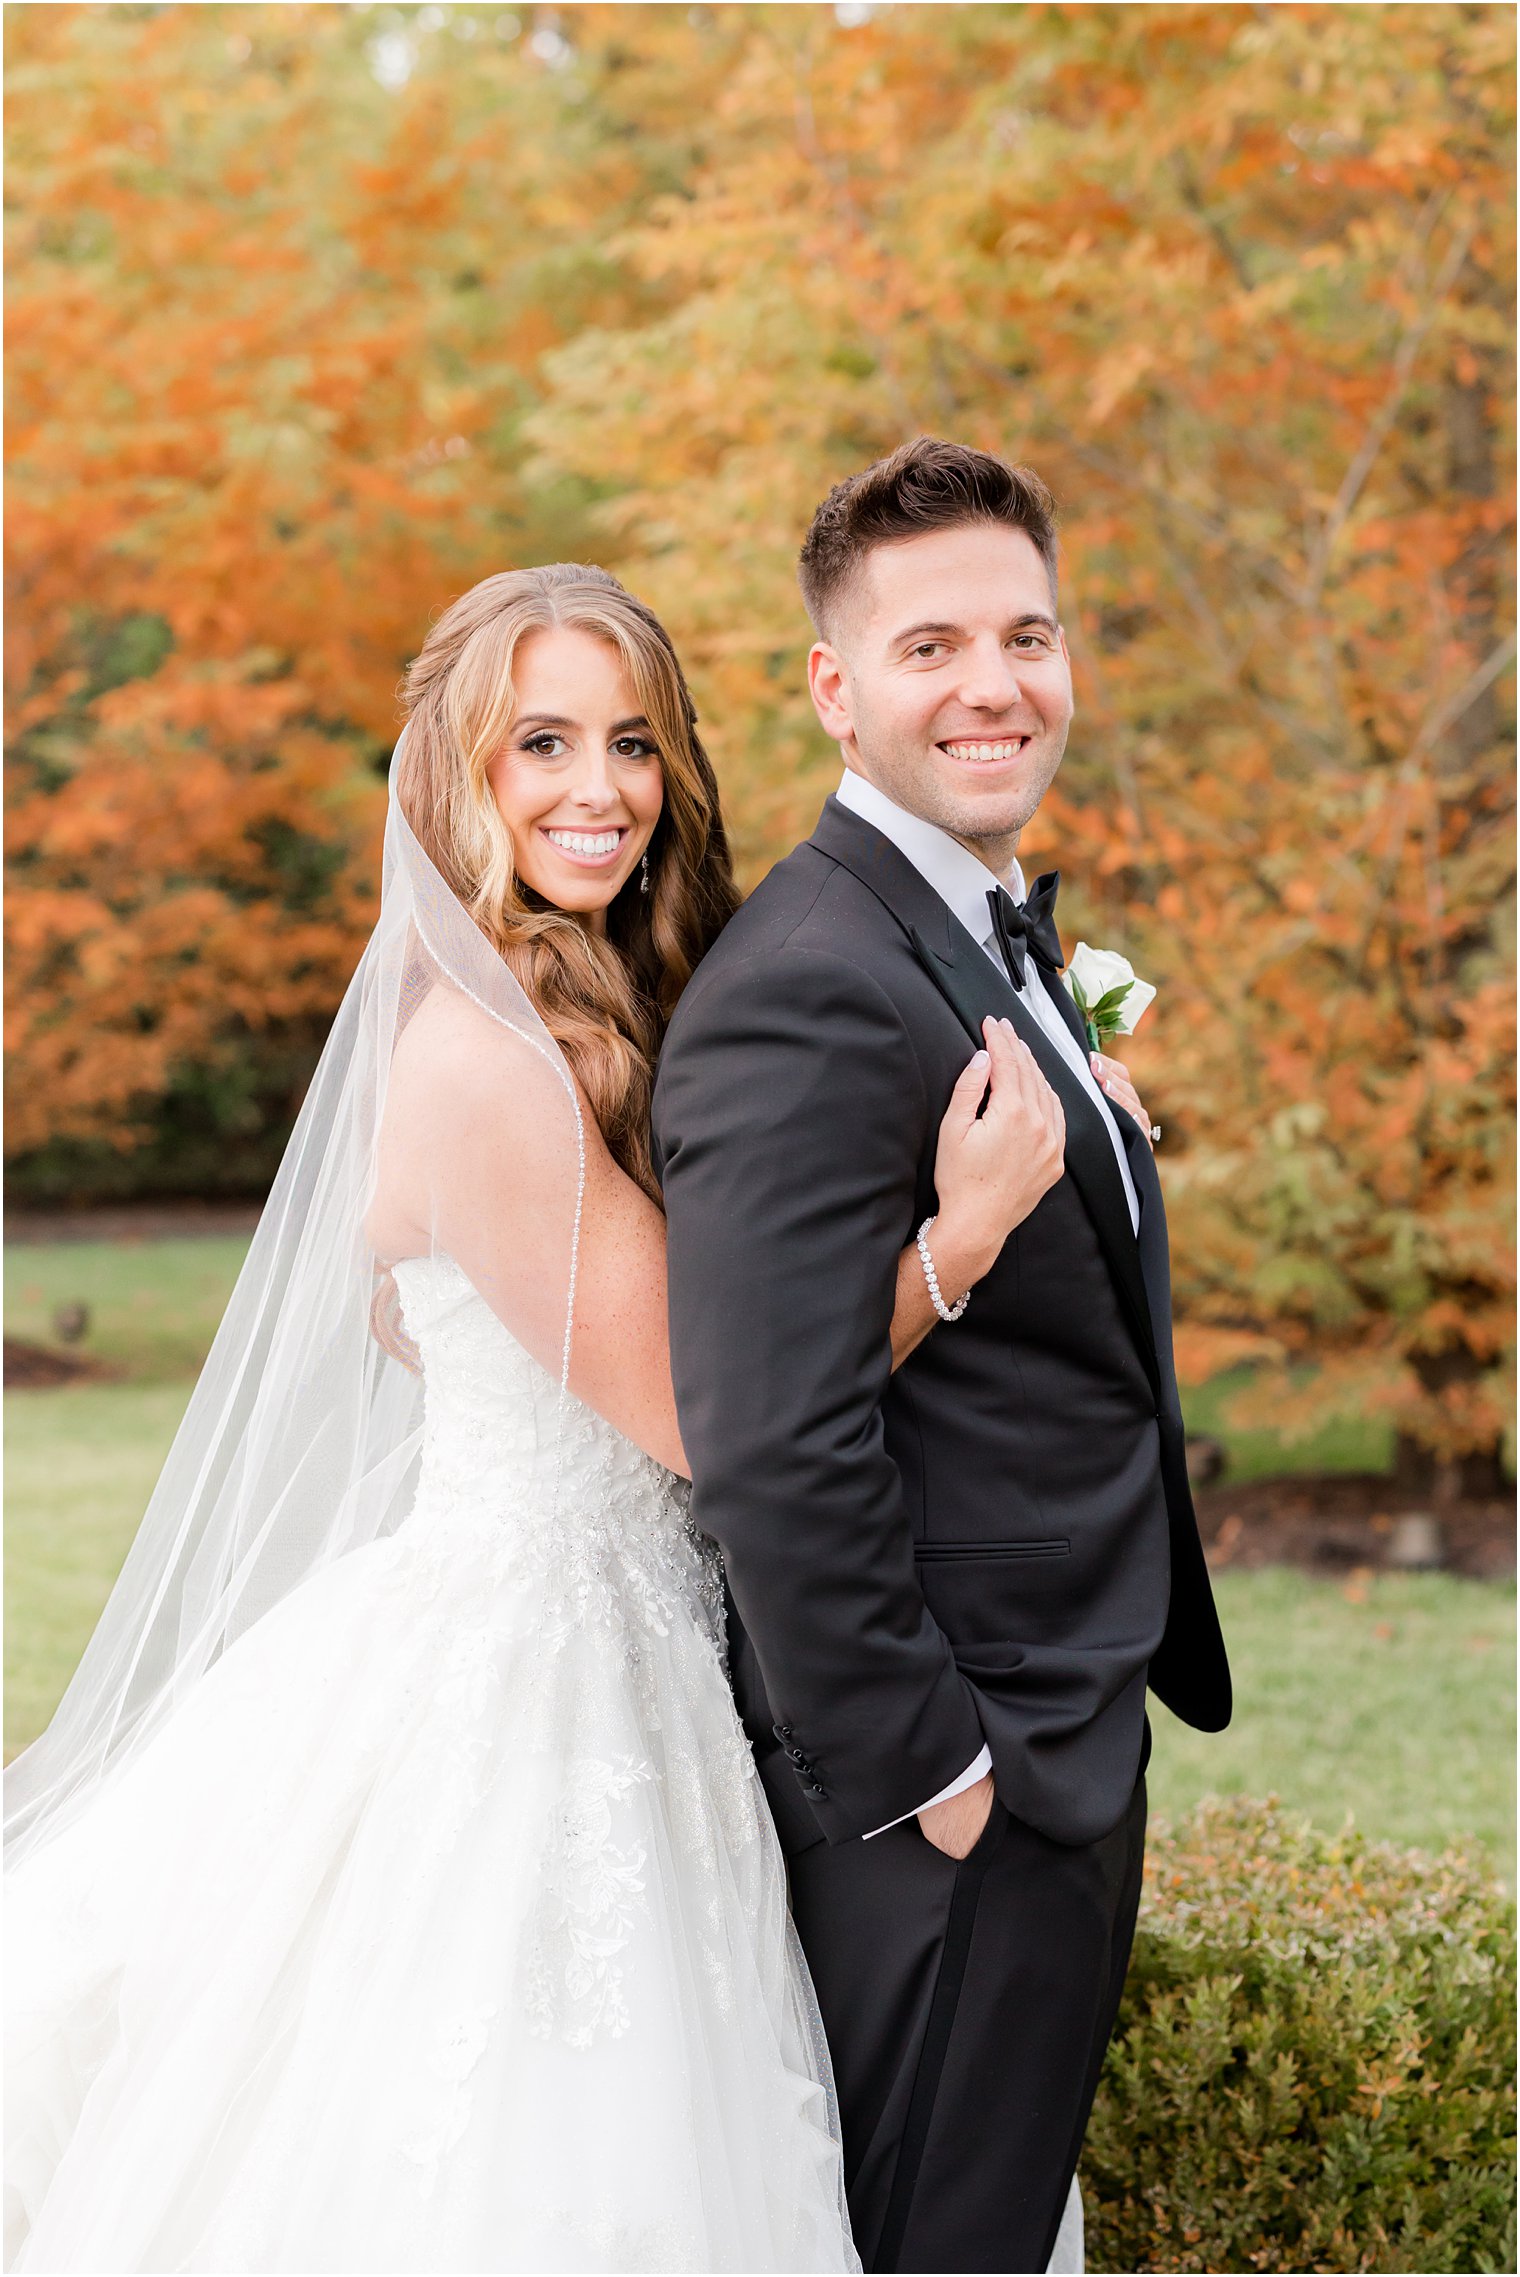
[[606, 1001]]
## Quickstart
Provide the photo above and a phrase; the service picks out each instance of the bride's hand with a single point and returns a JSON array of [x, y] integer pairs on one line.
[[991, 1169], [1115, 1079]]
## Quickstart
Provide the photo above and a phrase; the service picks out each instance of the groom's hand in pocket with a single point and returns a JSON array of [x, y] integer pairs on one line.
[[957, 1826]]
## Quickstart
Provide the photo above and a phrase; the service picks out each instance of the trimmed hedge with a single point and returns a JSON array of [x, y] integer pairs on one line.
[[1314, 2064]]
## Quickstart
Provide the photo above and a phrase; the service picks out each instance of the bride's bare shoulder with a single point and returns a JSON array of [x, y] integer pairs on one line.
[[470, 1091], [478, 1116], [453, 1049]]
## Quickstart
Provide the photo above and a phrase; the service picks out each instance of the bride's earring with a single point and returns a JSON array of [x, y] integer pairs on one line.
[[644, 869]]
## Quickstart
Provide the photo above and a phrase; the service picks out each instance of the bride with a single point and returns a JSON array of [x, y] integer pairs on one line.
[[393, 1889]]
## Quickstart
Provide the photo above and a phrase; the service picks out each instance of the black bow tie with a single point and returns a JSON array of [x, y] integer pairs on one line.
[[1027, 926]]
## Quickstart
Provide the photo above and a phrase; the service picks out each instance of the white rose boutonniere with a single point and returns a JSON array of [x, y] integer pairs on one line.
[[1107, 992]]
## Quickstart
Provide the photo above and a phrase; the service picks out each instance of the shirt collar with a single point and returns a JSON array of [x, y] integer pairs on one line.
[[960, 880]]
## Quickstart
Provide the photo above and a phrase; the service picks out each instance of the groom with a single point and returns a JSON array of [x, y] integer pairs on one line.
[[950, 1587]]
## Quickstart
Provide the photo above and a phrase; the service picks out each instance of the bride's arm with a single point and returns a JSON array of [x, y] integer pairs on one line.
[[480, 1159]]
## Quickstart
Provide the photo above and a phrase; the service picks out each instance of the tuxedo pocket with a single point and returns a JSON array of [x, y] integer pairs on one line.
[[986, 1593], [969, 1551]]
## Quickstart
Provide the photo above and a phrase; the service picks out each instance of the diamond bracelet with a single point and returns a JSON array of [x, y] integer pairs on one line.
[[946, 1312]]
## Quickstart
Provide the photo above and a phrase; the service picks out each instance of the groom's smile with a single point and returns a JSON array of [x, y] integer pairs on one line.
[[974, 754]]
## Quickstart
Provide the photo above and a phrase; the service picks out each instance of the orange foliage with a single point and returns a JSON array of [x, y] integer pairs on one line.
[[272, 332], [638, 284], [1238, 281]]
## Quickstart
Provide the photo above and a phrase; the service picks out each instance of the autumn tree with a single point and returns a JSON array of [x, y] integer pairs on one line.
[[319, 313], [1237, 280], [279, 282]]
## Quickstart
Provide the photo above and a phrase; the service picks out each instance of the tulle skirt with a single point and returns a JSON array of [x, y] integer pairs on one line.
[[435, 1930]]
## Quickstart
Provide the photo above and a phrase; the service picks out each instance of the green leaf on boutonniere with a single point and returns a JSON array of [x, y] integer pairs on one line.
[[1101, 1020]]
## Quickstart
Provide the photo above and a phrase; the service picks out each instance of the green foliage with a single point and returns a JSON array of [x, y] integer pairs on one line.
[[216, 1131], [1314, 2062], [1348, 1440]]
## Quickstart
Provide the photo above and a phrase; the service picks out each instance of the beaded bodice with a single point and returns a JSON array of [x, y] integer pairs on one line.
[[534, 1475]]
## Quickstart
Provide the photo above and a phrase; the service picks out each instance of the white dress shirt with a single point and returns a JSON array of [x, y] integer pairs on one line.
[[963, 883]]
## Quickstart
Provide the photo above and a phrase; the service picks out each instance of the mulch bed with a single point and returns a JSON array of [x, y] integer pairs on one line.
[[1339, 1523], [33, 1367], [134, 1221]]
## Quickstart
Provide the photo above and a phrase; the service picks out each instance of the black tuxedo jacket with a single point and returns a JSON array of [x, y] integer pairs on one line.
[[998, 1541]]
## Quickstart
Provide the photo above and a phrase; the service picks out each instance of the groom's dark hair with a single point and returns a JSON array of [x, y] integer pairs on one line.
[[927, 484]]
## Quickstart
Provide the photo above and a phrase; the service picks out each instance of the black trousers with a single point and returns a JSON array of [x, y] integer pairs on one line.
[[968, 2006]]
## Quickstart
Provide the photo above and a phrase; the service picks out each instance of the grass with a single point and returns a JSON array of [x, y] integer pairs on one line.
[[81, 1461], [1392, 1698], [80, 1465], [154, 1305]]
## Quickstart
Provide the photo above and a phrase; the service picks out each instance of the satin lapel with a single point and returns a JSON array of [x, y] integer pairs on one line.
[[1065, 1006], [1155, 1252], [972, 984], [1155, 1258]]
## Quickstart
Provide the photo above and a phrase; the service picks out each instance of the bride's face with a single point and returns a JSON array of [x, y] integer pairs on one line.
[[579, 782]]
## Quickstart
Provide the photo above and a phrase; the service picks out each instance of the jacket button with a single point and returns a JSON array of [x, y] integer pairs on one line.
[[782, 1731], [815, 1789]]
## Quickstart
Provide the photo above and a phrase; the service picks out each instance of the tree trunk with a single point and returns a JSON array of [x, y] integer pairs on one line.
[[1470, 395], [1421, 1475], [1478, 1475]]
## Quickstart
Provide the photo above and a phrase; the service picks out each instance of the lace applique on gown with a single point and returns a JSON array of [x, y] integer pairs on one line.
[[442, 1926]]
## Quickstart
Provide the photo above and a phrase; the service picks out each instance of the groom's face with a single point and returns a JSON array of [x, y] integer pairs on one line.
[[947, 683]]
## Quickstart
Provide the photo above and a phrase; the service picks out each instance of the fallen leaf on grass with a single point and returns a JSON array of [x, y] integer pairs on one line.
[[1225, 1542]]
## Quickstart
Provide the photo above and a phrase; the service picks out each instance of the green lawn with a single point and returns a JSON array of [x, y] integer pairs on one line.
[[81, 1461], [79, 1466], [1393, 1700], [154, 1305]]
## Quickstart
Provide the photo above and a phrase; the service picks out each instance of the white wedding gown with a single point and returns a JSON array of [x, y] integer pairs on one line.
[[442, 1925]]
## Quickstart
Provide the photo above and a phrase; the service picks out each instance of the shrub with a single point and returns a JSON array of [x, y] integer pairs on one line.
[[1313, 2067]]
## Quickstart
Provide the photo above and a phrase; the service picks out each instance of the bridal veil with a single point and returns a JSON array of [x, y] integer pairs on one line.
[[300, 1442]]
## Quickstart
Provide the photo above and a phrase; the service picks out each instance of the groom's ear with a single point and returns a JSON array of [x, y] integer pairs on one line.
[[829, 689]]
